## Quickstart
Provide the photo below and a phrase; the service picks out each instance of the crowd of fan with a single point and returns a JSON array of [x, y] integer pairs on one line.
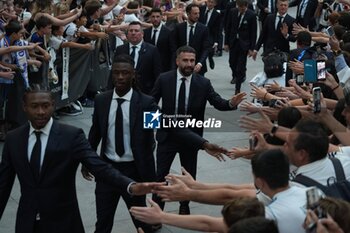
[[289, 140]]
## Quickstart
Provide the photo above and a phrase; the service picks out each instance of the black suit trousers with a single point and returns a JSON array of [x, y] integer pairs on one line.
[[166, 153], [238, 63], [107, 198]]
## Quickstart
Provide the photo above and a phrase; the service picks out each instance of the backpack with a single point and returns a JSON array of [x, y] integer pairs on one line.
[[273, 64], [337, 187]]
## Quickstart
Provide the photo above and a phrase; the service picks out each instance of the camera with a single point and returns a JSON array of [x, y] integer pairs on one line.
[[316, 95]]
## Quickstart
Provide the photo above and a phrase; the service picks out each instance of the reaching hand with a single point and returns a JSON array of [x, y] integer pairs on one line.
[[215, 150], [249, 107], [284, 29], [236, 99], [139, 189], [257, 92], [176, 191], [273, 86], [237, 152], [185, 177], [150, 215], [263, 124]]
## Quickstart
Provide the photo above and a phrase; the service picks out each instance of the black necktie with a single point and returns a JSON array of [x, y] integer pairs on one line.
[[36, 156], [153, 40], [239, 20], [206, 16], [119, 132], [133, 51], [190, 38], [279, 24], [182, 98]]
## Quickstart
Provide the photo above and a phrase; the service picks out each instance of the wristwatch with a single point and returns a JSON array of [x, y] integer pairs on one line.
[[273, 130]]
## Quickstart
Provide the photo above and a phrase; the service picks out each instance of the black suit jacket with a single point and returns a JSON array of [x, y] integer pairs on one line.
[[142, 140], [309, 19], [201, 91], [246, 33], [213, 24], [262, 4], [163, 45], [148, 65], [272, 38], [200, 42], [54, 194]]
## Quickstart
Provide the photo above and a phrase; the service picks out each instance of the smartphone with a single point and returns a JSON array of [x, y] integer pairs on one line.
[[330, 31], [321, 70], [313, 197], [316, 95], [252, 143], [310, 71], [272, 103]]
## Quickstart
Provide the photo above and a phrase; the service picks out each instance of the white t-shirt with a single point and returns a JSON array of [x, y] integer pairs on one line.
[[323, 169], [128, 18], [288, 209], [56, 41], [70, 30]]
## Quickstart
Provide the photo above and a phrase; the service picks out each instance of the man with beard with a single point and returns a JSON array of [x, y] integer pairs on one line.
[[160, 36], [184, 93]]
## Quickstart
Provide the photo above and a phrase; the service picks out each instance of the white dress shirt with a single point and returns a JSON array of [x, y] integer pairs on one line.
[[44, 136], [110, 140], [157, 35], [137, 50], [188, 31], [278, 19]]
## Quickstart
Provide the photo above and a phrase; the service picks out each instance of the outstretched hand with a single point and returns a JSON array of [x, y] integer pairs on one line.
[[215, 150], [150, 215], [176, 191]]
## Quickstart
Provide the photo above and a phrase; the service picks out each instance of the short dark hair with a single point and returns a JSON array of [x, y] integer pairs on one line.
[[190, 6], [91, 6], [133, 5], [273, 167], [36, 88], [185, 49], [288, 117], [254, 225], [312, 138], [304, 38], [13, 27], [42, 22], [240, 208], [124, 58], [135, 23], [156, 10]]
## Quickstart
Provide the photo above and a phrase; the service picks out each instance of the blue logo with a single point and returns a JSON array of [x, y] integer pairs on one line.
[[151, 120]]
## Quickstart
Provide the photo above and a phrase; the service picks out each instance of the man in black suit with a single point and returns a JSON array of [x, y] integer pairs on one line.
[[305, 12], [210, 17], [45, 155], [146, 57], [266, 7], [240, 38], [118, 122], [184, 93], [277, 31], [194, 34], [160, 36]]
